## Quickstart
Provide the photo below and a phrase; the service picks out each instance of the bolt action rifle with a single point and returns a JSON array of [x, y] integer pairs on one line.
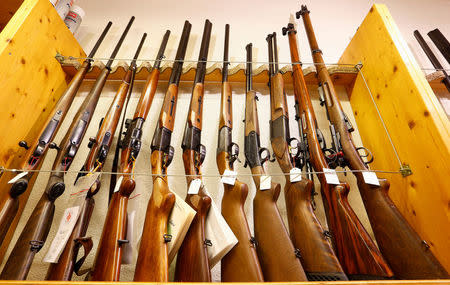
[[241, 264], [277, 255], [99, 150], [192, 261], [109, 253], [407, 254], [37, 150], [37, 227], [153, 259], [316, 253]]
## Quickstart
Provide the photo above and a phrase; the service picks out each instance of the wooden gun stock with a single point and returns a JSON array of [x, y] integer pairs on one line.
[[30, 241], [63, 270]]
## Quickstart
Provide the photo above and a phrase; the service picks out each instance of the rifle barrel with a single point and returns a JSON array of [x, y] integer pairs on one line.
[[248, 70], [100, 40], [203, 56], [225, 54], [162, 48], [181, 52], [116, 49]]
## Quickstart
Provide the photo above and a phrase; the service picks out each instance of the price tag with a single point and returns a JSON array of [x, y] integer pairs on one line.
[[118, 183], [194, 187], [229, 177], [265, 182], [17, 177], [370, 178], [331, 176], [295, 174], [65, 229]]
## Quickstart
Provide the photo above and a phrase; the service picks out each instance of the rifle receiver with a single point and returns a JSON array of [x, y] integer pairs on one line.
[[99, 41], [181, 52], [116, 49], [225, 54], [162, 48]]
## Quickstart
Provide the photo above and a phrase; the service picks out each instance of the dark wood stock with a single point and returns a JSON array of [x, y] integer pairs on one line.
[[275, 250], [411, 260], [30, 241], [10, 206], [241, 264], [153, 260], [146, 99], [63, 270]]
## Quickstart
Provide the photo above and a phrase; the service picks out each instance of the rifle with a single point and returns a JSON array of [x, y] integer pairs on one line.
[[37, 150], [241, 264], [277, 255], [440, 42], [99, 150], [153, 259], [109, 254], [433, 59], [411, 260], [37, 227], [192, 261], [316, 253]]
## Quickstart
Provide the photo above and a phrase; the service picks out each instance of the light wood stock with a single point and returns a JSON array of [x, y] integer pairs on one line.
[[146, 99]]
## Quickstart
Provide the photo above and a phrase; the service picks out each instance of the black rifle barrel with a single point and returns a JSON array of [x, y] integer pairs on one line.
[[441, 43], [181, 52], [99, 41], [269, 40], [136, 55], [248, 69], [116, 49], [203, 55], [162, 48], [275, 53], [225, 54]]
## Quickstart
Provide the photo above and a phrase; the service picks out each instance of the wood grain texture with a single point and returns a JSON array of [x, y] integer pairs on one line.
[[146, 99], [396, 80]]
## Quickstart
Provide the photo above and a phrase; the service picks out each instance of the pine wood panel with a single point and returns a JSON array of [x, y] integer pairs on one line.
[[416, 121], [31, 80], [7, 10]]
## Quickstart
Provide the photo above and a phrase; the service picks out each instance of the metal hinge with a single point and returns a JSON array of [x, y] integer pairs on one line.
[[405, 170]]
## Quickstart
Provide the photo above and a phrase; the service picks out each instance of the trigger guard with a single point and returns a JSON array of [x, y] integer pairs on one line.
[[261, 151], [368, 154], [202, 153]]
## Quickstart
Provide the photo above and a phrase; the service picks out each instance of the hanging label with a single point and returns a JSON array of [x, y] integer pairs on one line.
[[265, 182], [229, 177], [371, 178], [127, 254], [194, 187], [17, 177], [118, 183], [331, 176], [295, 174], [65, 229]]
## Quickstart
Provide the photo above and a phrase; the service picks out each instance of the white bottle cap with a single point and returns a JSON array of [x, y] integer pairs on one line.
[[77, 9]]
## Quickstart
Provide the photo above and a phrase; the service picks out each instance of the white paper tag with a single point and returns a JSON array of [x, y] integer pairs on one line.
[[127, 254], [118, 183], [331, 176], [229, 177], [265, 182], [65, 229], [295, 174], [194, 187], [17, 177], [371, 178]]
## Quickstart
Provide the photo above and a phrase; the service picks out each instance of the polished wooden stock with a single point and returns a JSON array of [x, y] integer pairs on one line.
[[241, 264], [153, 260], [192, 260], [10, 205], [316, 253], [275, 250], [406, 253], [109, 254], [63, 270]]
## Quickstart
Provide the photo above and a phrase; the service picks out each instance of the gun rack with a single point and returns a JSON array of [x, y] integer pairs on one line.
[[341, 74]]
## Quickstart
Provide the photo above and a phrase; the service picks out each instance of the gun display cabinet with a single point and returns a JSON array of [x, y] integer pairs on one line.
[[396, 111]]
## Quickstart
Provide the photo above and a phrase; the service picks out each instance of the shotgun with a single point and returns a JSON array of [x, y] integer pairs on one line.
[[411, 260], [308, 236], [277, 255], [99, 150], [36, 151], [153, 258], [109, 254], [37, 227], [241, 264], [192, 261]]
